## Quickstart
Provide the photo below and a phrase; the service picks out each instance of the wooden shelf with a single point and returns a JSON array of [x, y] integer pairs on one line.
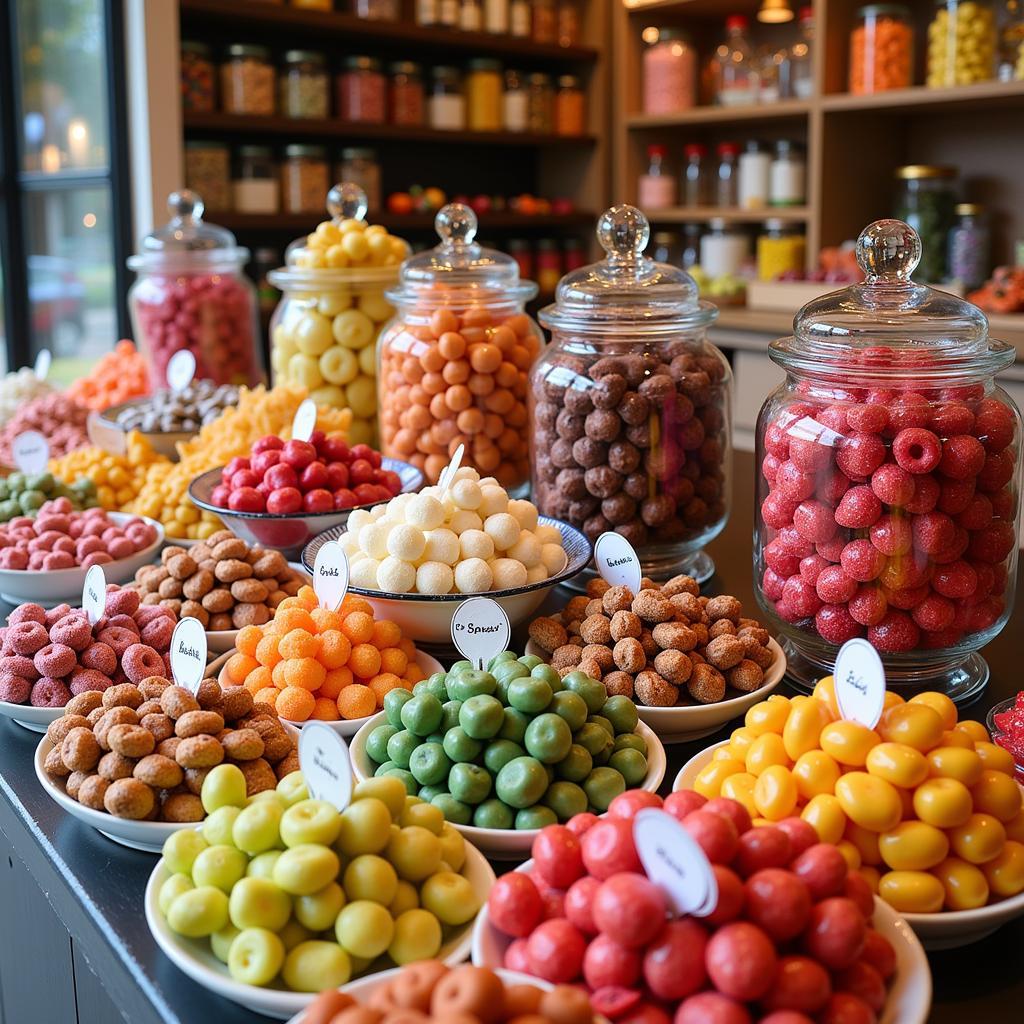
[[923, 99], [250, 126], [503, 220], [700, 214], [721, 115], [271, 20]]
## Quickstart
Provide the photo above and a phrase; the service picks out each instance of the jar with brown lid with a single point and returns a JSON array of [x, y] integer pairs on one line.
[[247, 80], [570, 109]]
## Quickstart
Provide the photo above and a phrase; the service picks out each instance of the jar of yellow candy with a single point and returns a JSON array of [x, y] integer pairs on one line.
[[961, 43], [324, 330]]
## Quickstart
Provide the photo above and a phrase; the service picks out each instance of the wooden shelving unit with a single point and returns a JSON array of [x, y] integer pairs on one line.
[[498, 220]]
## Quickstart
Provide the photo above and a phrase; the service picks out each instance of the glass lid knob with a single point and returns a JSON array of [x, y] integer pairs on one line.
[[888, 251], [347, 201], [185, 205], [455, 224], [623, 232]]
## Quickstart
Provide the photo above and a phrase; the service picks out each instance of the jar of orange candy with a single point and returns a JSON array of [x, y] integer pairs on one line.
[[454, 360], [881, 49]]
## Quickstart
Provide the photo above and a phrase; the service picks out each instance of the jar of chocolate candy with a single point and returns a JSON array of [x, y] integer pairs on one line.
[[888, 480], [455, 359], [630, 405]]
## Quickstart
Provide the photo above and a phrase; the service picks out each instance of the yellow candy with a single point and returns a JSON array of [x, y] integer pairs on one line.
[[765, 751], [1015, 829], [768, 716], [825, 691], [361, 396], [869, 801], [775, 793], [957, 738], [964, 885], [865, 841], [956, 763], [1005, 872], [740, 787], [944, 803], [710, 778], [741, 740], [912, 892], [994, 757], [848, 742], [917, 725], [897, 763], [977, 732], [913, 846], [815, 772], [850, 854], [312, 334], [940, 704], [997, 794], [339, 365], [980, 838], [871, 875], [825, 814], [353, 329], [803, 727]]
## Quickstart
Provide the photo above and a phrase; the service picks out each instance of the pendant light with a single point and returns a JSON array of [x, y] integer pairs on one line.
[[775, 12]]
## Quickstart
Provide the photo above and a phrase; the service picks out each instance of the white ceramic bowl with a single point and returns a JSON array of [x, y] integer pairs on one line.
[[28, 717], [910, 992], [194, 957], [427, 618], [148, 836], [945, 930], [505, 843], [687, 722], [18, 586]]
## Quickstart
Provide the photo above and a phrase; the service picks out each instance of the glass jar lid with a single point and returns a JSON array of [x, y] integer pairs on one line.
[[186, 242], [889, 324], [626, 292], [460, 265]]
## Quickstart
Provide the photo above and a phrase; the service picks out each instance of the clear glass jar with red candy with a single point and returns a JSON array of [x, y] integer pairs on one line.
[[454, 360], [191, 292], [888, 479], [630, 405]]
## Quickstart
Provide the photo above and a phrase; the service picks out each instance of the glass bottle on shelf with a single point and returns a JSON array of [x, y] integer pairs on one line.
[[570, 107], [471, 16], [696, 177], [735, 78], [405, 97], [541, 105], [248, 80], [656, 190], [549, 266], [669, 73], [519, 18], [881, 49], [727, 184], [447, 105], [754, 176], [780, 249], [515, 103], [787, 185], [801, 57], [926, 198], [427, 12], [484, 95], [255, 187], [359, 166], [496, 16], [771, 70], [376, 10], [664, 246], [969, 246], [362, 95], [304, 85], [690, 256], [568, 22], [961, 43], [723, 249], [545, 22], [198, 91]]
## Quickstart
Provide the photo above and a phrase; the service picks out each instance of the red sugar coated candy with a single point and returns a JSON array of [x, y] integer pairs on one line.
[[917, 450], [862, 561], [897, 631], [962, 457], [860, 455], [893, 485], [834, 586], [858, 508]]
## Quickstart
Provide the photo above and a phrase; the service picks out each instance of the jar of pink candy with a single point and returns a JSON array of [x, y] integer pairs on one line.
[[888, 479], [191, 293]]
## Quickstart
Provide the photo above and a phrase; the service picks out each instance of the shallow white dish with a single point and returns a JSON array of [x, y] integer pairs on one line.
[[28, 717], [684, 723], [910, 993], [505, 843], [147, 836], [946, 930], [194, 957], [19, 586]]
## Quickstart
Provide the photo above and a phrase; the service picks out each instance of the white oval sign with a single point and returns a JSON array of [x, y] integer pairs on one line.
[[181, 368], [325, 765], [330, 575], [305, 421], [188, 654], [617, 561], [480, 630], [444, 481], [675, 863], [30, 451], [41, 367], [94, 594], [860, 682]]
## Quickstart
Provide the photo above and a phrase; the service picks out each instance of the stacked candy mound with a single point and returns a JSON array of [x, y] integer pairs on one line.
[[119, 479], [25, 494], [117, 377], [18, 388], [61, 420]]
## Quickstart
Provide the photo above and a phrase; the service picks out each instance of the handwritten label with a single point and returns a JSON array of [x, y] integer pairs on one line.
[[30, 451], [480, 630], [617, 561], [188, 653], [41, 368], [675, 863], [330, 575], [860, 682], [444, 481], [325, 765], [181, 368], [305, 421], [94, 594]]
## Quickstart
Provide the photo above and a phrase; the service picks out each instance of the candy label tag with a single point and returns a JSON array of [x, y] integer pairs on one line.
[[860, 682], [480, 630], [330, 575], [325, 765], [444, 481], [675, 863], [41, 368], [305, 421], [617, 561], [94, 594], [30, 451], [188, 654], [181, 368]]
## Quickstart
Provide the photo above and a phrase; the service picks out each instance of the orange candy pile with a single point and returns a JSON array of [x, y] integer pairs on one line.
[[119, 376], [312, 663]]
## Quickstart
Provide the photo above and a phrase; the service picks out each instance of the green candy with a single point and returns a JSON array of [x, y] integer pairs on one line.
[[9, 509], [481, 717], [549, 674], [531, 661], [602, 786], [576, 765], [454, 810], [407, 779], [535, 817], [565, 799], [522, 782], [377, 742], [393, 702], [594, 737], [570, 707], [548, 738], [630, 764], [460, 747], [469, 783], [400, 747], [499, 659], [427, 793], [604, 723], [471, 684], [589, 689], [630, 741], [506, 671], [621, 712], [513, 726], [422, 715], [450, 714], [499, 753], [432, 687], [29, 501], [435, 737], [529, 695], [383, 769], [493, 813], [429, 764], [461, 666]]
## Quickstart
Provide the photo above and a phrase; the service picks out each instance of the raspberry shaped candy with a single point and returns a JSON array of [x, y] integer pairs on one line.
[[776, 440], [997, 471], [800, 597], [909, 410], [809, 456], [835, 624], [778, 558], [892, 485], [834, 586], [811, 567], [868, 606], [772, 584], [933, 532], [860, 455], [962, 457], [832, 550], [858, 508], [835, 418], [903, 573], [793, 483], [791, 540], [862, 561], [777, 511], [994, 424], [951, 418], [977, 514], [934, 613], [926, 495], [993, 543], [832, 485], [896, 632], [961, 539], [868, 419], [907, 598], [955, 495], [917, 450], [814, 521], [892, 535], [770, 468]]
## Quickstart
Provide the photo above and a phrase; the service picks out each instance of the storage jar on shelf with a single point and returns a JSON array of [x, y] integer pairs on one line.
[[198, 90], [247, 80], [881, 49], [888, 478], [780, 249], [208, 171], [324, 331], [455, 358], [304, 178], [669, 73], [630, 406], [926, 199], [969, 246], [191, 292], [255, 186], [962, 40], [305, 85]]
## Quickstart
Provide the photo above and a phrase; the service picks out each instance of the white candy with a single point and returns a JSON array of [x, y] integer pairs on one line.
[[476, 544], [424, 511], [396, 576], [434, 578], [503, 529], [493, 500], [548, 534], [525, 511], [406, 542], [463, 519], [508, 573], [442, 546], [526, 550], [473, 576], [553, 558], [537, 574], [363, 573], [466, 494], [373, 539], [466, 473], [379, 511], [357, 519]]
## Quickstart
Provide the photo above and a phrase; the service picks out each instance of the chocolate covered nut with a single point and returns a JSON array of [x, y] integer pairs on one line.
[[129, 798], [724, 607], [547, 634], [60, 727], [675, 666], [231, 569], [92, 792], [652, 606], [628, 655], [182, 807], [706, 684], [567, 656], [197, 723], [600, 655], [197, 586], [83, 703], [73, 782], [648, 643], [746, 676], [126, 695], [235, 703], [199, 752], [194, 610], [230, 547], [608, 391], [250, 615], [130, 740], [580, 400], [177, 701], [618, 684], [159, 771], [218, 600], [721, 627], [79, 750], [625, 624], [655, 691], [674, 636], [569, 426], [603, 425], [159, 724], [588, 452], [603, 481], [243, 745], [596, 629], [181, 566], [54, 764], [113, 766], [687, 606]]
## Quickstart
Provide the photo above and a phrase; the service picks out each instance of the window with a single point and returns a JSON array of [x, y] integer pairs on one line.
[[63, 237]]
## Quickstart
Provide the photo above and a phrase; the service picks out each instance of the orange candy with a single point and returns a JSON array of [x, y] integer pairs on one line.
[[325, 710], [393, 659], [248, 640], [239, 666], [336, 681], [298, 643], [356, 701], [881, 52], [117, 377], [305, 672], [386, 634], [358, 627], [335, 649], [365, 661], [295, 703]]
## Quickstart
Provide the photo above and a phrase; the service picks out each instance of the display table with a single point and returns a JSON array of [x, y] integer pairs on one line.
[[75, 949]]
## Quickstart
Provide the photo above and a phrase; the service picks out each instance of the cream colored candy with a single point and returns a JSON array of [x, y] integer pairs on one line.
[[537, 574], [473, 576], [363, 572], [548, 534], [352, 329], [553, 558], [463, 519], [526, 550], [375, 306], [357, 519], [476, 544], [525, 511], [503, 529], [424, 511], [493, 500], [373, 539], [466, 494], [406, 542], [442, 546], [396, 576], [434, 578], [508, 573], [333, 303]]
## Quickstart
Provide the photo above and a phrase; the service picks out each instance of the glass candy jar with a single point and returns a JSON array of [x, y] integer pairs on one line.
[[454, 361], [191, 292], [323, 334], [888, 479], [630, 406]]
